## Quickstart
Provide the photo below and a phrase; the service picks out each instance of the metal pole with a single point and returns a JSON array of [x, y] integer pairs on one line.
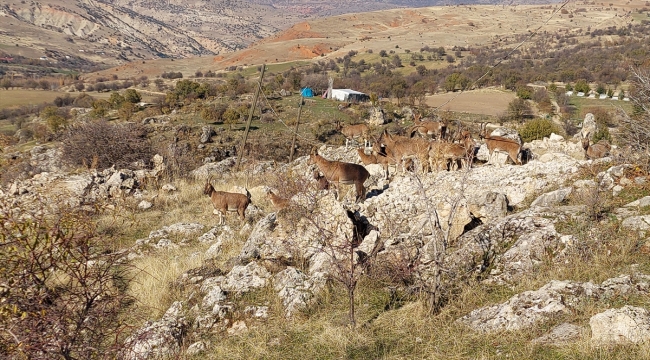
[[250, 118], [295, 131]]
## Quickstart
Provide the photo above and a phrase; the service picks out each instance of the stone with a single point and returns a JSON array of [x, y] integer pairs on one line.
[[639, 223], [376, 117], [206, 134], [168, 188], [160, 339], [145, 205], [296, 289], [561, 335], [555, 137], [196, 348], [639, 203], [552, 198], [214, 296], [238, 328], [245, 278], [589, 126], [628, 324]]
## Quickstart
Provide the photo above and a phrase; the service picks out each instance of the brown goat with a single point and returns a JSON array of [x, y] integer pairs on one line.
[[323, 184], [278, 202], [379, 158], [226, 201], [452, 153], [397, 148], [434, 129], [500, 143], [597, 150], [337, 172], [354, 131]]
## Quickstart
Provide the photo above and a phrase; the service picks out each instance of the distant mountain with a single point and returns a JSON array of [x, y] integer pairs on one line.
[[118, 31]]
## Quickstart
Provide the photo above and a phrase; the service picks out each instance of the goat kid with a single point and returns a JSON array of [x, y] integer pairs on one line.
[[379, 158], [226, 201], [337, 173], [323, 184], [279, 203]]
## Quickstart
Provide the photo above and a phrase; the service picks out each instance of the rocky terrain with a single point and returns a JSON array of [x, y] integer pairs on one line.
[[495, 225]]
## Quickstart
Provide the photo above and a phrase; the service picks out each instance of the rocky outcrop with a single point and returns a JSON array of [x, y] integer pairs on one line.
[[529, 308], [159, 339]]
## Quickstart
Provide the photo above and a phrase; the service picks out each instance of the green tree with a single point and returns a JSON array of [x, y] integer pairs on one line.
[[116, 100], [524, 92], [537, 129], [600, 89], [100, 108], [126, 110], [132, 96], [230, 117], [56, 123], [582, 86]]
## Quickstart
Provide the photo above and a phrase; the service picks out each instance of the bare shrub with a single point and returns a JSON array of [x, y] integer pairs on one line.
[[61, 291], [635, 127], [118, 145]]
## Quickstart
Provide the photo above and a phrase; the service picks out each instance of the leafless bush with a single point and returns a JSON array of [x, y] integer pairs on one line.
[[635, 127], [106, 145], [61, 289]]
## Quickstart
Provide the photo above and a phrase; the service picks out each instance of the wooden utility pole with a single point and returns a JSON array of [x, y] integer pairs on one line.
[[250, 118], [295, 131]]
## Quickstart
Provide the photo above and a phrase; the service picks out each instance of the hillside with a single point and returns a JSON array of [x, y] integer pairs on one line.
[[404, 30], [113, 32]]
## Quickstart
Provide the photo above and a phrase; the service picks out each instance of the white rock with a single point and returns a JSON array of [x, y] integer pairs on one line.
[[145, 205], [628, 324]]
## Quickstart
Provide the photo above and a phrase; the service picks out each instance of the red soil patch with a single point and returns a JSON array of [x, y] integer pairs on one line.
[[298, 31], [218, 58]]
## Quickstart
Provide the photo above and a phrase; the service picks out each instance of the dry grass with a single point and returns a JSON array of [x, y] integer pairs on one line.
[[17, 97]]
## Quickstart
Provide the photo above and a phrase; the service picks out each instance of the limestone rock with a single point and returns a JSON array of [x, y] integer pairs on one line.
[[589, 126], [245, 278], [376, 117], [206, 134], [145, 205], [641, 222], [628, 324], [552, 198], [560, 335], [160, 339], [296, 289]]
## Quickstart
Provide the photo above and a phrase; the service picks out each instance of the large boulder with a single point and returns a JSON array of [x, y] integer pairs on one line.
[[628, 324], [589, 126]]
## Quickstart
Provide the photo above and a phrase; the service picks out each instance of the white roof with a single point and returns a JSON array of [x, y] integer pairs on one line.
[[348, 91]]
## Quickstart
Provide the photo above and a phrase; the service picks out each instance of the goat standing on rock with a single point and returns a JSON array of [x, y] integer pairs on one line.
[[337, 172], [226, 201]]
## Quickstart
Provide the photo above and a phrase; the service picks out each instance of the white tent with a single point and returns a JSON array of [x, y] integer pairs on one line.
[[348, 95]]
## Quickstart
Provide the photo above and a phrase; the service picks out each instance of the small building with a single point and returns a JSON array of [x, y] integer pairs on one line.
[[580, 93], [602, 96], [349, 95]]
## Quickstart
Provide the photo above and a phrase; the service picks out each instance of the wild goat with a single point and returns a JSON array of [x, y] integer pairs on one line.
[[379, 158], [323, 184], [597, 150], [354, 131], [500, 143], [278, 202], [452, 153], [225, 201], [398, 148], [435, 129], [337, 172]]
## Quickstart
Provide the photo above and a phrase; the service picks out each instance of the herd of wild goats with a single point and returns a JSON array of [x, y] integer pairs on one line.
[[429, 143]]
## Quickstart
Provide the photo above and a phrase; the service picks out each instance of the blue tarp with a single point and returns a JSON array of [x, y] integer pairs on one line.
[[306, 92]]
